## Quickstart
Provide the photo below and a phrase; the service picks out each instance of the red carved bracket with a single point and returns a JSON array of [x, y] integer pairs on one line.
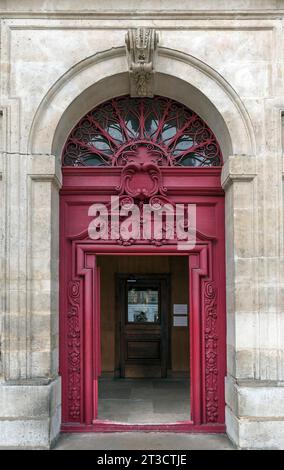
[[141, 181]]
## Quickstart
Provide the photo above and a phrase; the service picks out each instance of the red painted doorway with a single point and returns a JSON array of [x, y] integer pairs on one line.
[[141, 150]]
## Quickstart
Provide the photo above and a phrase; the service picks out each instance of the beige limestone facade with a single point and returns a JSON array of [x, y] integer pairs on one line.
[[225, 60]]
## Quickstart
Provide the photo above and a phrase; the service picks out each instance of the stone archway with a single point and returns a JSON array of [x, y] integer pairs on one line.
[[217, 102], [179, 76]]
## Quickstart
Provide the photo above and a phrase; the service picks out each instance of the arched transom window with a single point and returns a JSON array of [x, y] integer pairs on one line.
[[126, 129]]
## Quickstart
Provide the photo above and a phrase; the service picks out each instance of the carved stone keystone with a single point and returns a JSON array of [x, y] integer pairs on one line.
[[141, 50]]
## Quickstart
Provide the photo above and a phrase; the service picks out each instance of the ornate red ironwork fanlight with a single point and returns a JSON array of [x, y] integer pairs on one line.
[[156, 130]]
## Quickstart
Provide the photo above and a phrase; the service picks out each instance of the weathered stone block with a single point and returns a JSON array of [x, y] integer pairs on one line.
[[30, 414]]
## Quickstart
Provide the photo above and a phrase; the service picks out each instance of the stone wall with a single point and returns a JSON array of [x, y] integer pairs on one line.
[[225, 60]]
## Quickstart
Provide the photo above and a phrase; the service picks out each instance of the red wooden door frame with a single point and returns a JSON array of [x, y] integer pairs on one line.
[[203, 306], [79, 296]]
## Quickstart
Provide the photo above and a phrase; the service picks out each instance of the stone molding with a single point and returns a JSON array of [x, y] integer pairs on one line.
[[238, 168], [165, 9]]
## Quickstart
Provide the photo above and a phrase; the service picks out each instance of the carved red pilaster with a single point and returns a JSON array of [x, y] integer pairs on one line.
[[211, 352], [74, 353]]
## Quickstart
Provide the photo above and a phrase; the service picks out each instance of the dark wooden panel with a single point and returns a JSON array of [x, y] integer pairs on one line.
[[179, 335], [143, 349]]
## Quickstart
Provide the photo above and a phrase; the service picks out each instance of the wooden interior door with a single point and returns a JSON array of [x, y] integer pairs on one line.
[[142, 312]]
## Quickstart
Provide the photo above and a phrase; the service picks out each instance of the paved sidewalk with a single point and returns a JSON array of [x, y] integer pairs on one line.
[[143, 441]]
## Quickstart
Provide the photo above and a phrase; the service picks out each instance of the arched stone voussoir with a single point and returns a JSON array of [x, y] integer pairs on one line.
[[178, 76]]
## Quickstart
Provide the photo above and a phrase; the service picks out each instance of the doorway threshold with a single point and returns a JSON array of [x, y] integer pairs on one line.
[[103, 426]]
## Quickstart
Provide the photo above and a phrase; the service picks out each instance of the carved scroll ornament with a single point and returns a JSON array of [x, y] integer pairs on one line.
[[74, 353], [211, 353], [141, 50]]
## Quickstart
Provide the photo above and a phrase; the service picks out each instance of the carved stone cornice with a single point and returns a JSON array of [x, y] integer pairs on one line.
[[141, 51]]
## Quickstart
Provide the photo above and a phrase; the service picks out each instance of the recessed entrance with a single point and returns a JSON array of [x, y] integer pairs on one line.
[[144, 339]]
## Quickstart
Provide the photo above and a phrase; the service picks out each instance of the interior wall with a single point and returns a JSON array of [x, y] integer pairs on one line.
[[177, 266]]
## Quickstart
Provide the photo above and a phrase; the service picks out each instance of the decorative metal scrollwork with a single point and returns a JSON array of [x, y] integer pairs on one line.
[[158, 129]]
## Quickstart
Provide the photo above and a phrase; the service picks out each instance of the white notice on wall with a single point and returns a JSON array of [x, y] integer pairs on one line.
[[180, 309], [180, 321]]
